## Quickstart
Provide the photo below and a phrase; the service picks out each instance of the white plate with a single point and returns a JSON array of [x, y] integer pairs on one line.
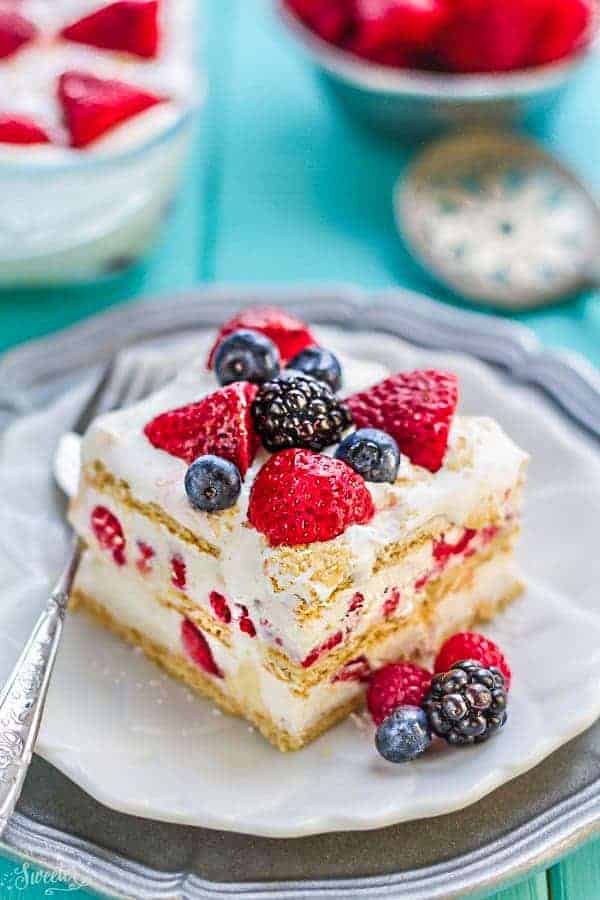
[[142, 744]]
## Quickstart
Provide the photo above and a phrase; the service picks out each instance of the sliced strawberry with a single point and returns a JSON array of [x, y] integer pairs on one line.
[[299, 497], [289, 334], [564, 30], [331, 20], [490, 35], [397, 24], [15, 31], [92, 106], [197, 648], [21, 130], [415, 408], [127, 25], [220, 424]]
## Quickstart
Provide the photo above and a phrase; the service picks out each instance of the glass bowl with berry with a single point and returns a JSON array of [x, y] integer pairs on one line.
[[97, 103], [416, 67]]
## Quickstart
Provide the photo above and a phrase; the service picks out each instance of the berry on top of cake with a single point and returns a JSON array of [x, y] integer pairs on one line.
[[273, 541], [97, 75]]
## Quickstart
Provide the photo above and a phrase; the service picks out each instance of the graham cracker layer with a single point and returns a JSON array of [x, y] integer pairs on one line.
[[302, 679], [97, 476], [176, 665]]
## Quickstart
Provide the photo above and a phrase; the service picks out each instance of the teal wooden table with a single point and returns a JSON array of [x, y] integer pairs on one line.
[[282, 188]]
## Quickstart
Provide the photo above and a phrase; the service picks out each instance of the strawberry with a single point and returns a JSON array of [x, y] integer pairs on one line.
[[490, 35], [92, 106], [471, 645], [15, 31], [197, 648], [220, 607], [397, 24], [21, 130], [127, 25], [565, 27], [415, 408], [331, 19], [109, 533], [299, 497], [289, 334], [220, 424], [397, 684]]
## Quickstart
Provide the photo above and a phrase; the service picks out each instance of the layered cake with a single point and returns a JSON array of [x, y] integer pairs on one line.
[[274, 527]]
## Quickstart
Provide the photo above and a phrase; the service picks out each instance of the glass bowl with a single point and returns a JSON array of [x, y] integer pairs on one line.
[[84, 216]]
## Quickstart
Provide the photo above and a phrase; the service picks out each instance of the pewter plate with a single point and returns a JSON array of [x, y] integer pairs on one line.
[[517, 826]]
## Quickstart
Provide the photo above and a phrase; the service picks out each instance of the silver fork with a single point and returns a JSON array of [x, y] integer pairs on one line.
[[22, 699]]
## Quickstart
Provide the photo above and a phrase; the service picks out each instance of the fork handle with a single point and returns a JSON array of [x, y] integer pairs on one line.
[[23, 697]]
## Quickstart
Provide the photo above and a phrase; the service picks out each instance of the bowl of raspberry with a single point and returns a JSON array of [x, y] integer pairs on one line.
[[422, 66]]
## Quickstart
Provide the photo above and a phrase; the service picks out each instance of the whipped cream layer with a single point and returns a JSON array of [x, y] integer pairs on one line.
[[257, 691], [29, 78]]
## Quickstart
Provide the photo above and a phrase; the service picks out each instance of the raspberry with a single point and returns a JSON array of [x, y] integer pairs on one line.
[[289, 334], [91, 106], [197, 648], [220, 607], [143, 564], [397, 684], [15, 31], [109, 533], [442, 551], [471, 645], [220, 424], [415, 408], [178, 573], [391, 602], [300, 497], [246, 624], [21, 130], [325, 647], [355, 670], [565, 28], [127, 25]]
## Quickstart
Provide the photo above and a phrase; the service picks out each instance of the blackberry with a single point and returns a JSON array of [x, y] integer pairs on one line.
[[296, 410], [467, 704]]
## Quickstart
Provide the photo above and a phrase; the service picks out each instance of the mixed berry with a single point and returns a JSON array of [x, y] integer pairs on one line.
[[372, 453], [279, 393], [296, 410], [462, 36], [463, 703], [319, 363], [246, 356]]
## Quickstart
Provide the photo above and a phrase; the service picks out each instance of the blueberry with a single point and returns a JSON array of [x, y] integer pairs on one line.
[[246, 356], [371, 453], [212, 483], [404, 735], [321, 364]]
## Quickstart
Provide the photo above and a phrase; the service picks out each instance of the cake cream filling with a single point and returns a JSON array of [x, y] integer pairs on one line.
[[275, 615], [248, 682], [28, 78]]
